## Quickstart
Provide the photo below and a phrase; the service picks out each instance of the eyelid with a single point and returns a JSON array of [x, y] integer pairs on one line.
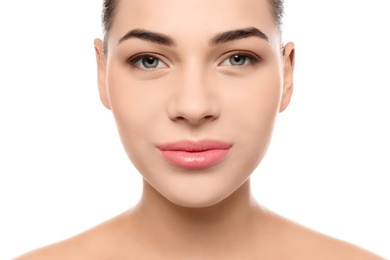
[[137, 57], [254, 58]]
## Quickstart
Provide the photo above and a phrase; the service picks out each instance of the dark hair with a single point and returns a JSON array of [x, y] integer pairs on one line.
[[277, 9], [110, 7]]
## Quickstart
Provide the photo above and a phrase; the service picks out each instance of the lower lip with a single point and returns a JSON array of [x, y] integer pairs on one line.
[[195, 160]]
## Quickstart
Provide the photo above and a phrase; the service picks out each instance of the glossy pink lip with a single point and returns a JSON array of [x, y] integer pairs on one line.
[[194, 155]]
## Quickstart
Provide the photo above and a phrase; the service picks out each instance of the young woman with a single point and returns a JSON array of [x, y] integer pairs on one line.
[[195, 87]]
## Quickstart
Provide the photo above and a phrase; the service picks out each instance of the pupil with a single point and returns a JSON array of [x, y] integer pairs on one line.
[[150, 62], [237, 60]]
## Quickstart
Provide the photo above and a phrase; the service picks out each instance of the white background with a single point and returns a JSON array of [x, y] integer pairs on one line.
[[63, 169]]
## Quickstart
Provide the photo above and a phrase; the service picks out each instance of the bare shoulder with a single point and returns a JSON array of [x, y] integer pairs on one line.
[[100, 242], [332, 248], [61, 250], [304, 243]]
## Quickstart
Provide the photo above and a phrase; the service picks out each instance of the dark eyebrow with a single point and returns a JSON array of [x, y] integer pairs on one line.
[[237, 35], [148, 36], [223, 37]]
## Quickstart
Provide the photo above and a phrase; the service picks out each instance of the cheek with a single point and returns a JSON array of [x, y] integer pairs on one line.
[[255, 106], [253, 114], [135, 105]]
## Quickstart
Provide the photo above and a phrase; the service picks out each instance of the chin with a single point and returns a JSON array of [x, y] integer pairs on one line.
[[197, 188], [197, 202], [198, 195]]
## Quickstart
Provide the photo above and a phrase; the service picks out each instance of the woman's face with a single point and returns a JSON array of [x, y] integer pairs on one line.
[[195, 87]]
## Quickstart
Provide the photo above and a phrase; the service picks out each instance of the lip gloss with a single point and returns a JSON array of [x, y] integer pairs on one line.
[[195, 155]]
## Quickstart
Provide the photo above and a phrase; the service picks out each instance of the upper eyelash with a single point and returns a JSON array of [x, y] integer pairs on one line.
[[251, 57], [133, 60]]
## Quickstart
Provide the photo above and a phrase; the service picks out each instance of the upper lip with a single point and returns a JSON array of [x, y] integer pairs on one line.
[[194, 146]]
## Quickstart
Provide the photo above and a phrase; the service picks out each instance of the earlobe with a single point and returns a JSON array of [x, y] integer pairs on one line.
[[101, 72], [288, 73]]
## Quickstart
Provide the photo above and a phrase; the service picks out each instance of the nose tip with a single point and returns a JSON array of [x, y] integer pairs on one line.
[[194, 106], [194, 99]]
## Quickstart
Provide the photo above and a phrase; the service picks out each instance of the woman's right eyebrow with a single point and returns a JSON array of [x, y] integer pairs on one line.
[[149, 36], [219, 38]]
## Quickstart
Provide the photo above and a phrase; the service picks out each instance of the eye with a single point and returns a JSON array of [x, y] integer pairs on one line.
[[239, 60], [147, 62]]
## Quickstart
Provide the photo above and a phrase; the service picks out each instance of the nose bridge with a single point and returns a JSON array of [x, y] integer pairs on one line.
[[194, 100]]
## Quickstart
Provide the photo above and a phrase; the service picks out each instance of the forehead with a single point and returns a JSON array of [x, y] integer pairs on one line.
[[192, 18]]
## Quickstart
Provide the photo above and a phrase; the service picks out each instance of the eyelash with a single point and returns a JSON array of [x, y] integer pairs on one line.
[[249, 58], [134, 60]]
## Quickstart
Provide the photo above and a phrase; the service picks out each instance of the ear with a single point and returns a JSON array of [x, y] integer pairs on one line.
[[288, 71], [101, 72]]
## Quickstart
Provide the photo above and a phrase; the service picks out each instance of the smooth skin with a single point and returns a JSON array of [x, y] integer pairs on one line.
[[191, 85]]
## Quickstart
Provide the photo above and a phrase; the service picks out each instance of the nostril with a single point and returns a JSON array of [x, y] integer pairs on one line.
[[209, 117], [194, 120], [179, 118], [193, 110]]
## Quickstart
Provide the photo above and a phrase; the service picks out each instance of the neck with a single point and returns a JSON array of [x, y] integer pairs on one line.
[[174, 228]]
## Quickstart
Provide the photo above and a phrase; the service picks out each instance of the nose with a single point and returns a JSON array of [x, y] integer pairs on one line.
[[194, 101]]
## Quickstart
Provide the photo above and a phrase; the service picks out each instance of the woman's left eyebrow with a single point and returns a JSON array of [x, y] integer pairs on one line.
[[237, 35], [219, 38]]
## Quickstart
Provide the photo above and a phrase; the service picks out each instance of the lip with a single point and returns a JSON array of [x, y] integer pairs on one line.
[[195, 154]]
